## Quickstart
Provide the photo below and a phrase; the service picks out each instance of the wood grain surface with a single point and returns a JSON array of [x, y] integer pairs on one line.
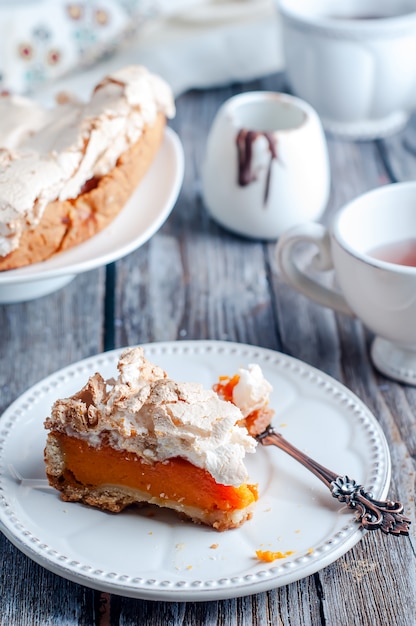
[[194, 280]]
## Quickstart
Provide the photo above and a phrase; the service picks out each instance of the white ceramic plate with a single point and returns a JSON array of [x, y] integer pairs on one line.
[[160, 557], [142, 216]]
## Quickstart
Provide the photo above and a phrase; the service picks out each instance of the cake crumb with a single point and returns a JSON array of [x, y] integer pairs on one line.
[[268, 556], [214, 546]]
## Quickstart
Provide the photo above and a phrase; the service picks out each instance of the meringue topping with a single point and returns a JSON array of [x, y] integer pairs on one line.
[[49, 154], [252, 392], [145, 412]]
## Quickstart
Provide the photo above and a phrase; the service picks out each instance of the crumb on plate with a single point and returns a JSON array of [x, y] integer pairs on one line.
[[268, 556]]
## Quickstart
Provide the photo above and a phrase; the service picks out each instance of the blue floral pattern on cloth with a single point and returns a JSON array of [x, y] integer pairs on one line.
[[42, 40]]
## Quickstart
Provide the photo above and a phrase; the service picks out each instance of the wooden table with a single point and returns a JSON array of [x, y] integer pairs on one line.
[[194, 280]]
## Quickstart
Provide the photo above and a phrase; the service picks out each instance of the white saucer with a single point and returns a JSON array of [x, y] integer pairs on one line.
[[393, 361], [143, 215], [154, 554]]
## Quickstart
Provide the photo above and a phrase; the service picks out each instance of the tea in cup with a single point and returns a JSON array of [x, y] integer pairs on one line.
[[266, 165], [371, 246], [353, 61]]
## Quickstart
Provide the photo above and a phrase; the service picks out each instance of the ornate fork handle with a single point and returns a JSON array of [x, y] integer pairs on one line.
[[373, 514]]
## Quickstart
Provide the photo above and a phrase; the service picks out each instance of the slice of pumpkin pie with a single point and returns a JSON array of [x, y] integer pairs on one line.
[[144, 438]]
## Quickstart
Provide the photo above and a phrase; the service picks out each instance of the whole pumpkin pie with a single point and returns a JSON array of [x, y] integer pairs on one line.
[[145, 438], [67, 171]]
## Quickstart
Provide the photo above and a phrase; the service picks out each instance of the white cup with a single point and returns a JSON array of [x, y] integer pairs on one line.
[[354, 61], [366, 247], [266, 165]]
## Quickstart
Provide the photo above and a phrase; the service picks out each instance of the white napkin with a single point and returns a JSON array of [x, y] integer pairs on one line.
[[213, 43], [48, 46]]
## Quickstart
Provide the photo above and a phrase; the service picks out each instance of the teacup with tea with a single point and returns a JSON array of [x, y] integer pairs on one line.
[[371, 246]]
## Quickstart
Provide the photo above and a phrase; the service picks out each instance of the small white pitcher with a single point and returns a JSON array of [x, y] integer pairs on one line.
[[266, 166]]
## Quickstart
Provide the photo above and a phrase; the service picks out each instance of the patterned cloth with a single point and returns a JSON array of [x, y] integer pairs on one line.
[[49, 47], [42, 40]]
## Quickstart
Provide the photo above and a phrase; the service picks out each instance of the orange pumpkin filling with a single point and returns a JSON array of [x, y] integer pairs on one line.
[[257, 420], [174, 479]]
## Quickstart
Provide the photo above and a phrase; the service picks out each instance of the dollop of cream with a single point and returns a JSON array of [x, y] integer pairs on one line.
[[252, 392], [49, 154], [145, 412]]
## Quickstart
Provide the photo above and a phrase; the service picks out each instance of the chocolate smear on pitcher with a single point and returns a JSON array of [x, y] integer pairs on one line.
[[246, 174]]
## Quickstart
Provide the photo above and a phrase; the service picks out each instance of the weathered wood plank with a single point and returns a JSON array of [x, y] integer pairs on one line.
[[399, 153], [37, 338], [40, 336]]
